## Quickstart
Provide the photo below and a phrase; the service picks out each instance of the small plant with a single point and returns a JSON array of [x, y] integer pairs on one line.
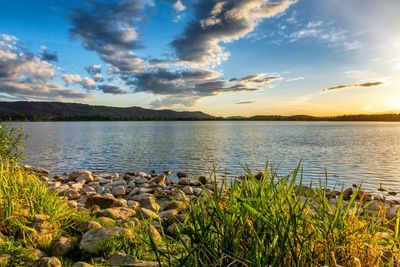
[[11, 144]]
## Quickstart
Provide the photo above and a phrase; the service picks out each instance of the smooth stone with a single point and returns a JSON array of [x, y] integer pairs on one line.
[[118, 191], [121, 213], [203, 180], [63, 246], [133, 204], [49, 262], [106, 221], [88, 190], [81, 264], [188, 190], [376, 205], [146, 190], [184, 181], [146, 213], [149, 202], [173, 229], [103, 202], [90, 225], [175, 205], [118, 182], [43, 231], [142, 174], [92, 240], [71, 194], [155, 235], [83, 174], [168, 214], [181, 175], [140, 180]]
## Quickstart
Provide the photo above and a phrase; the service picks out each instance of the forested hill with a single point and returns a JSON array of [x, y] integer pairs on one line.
[[56, 111]]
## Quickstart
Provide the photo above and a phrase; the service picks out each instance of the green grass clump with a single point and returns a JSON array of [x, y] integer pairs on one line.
[[22, 197], [11, 144], [269, 222]]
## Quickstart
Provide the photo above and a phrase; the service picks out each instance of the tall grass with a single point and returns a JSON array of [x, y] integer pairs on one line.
[[269, 222], [22, 197]]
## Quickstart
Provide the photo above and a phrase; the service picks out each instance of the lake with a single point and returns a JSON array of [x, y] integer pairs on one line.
[[351, 152]]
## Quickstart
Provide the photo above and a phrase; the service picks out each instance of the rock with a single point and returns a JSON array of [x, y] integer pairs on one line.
[[203, 180], [92, 240], [392, 193], [118, 191], [5, 259], [64, 245], [173, 229], [49, 262], [82, 174], [71, 194], [168, 215], [121, 202], [133, 204], [106, 221], [146, 190], [168, 172], [103, 202], [155, 235], [146, 213], [188, 190], [348, 193], [158, 179], [392, 212], [90, 225], [175, 204], [140, 180], [181, 175], [43, 231], [73, 204], [117, 183], [89, 190], [122, 213], [81, 264], [259, 176], [35, 253], [376, 205], [149, 202], [198, 191], [184, 181], [77, 186], [122, 259], [142, 174]]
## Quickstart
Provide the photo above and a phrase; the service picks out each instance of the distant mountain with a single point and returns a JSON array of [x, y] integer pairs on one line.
[[56, 111]]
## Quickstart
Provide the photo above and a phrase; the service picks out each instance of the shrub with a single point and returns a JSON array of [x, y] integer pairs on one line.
[[11, 144]]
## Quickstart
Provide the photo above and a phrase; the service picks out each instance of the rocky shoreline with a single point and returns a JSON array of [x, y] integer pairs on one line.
[[121, 202]]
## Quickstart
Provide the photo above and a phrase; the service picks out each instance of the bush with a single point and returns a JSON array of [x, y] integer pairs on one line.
[[11, 144]]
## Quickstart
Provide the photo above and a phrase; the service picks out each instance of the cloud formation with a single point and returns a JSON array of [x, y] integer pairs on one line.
[[46, 55], [356, 85], [217, 22], [27, 75], [107, 28], [111, 89]]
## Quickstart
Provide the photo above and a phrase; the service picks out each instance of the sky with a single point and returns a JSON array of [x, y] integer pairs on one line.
[[222, 57]]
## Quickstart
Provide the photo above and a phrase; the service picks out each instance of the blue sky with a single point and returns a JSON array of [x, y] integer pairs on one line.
[[232, 57]]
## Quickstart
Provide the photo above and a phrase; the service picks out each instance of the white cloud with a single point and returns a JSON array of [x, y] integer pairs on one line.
[[179, 6]]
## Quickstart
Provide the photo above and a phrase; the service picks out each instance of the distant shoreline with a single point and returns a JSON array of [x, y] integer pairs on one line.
[[57, 111]]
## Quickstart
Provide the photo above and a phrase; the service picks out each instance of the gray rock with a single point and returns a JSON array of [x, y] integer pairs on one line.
[[81, 264], [64, 245], [83, 174], [148, 201], [122, 213], [181, 175], [118, 191], [92, 240], [103, 202], [175, 204], [71, 194], [168, 215], [90, 225], [146, 213], [188, 190], [49, 262], [184, 181]]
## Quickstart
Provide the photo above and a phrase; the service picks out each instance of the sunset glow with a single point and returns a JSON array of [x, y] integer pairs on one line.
[[290, 57]]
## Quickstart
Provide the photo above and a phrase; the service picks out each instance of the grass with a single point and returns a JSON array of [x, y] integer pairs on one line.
[[270, 221]]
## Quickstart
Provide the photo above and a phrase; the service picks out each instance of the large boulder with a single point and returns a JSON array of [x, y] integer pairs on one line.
[[103, 202], [92, 240]]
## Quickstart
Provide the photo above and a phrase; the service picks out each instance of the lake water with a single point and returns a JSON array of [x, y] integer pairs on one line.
[[350, 152]]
